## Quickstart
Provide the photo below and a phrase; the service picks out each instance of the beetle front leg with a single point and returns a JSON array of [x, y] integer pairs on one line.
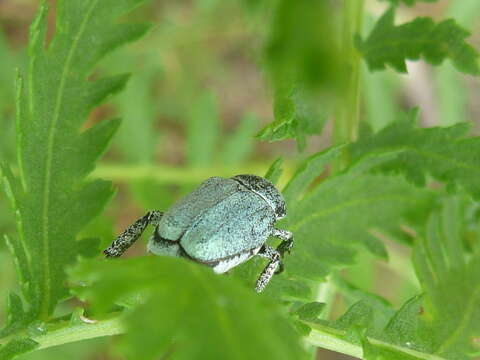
[[271, 269], [287, 240], [132, 233]]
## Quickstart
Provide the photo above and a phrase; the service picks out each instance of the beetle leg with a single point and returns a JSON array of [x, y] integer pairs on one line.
[[132, 233], [271, 269], [268, 252], [287, 240]]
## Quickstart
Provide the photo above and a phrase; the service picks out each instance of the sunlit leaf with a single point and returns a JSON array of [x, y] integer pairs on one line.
[[443, 323], [52, 200], [444, 153]]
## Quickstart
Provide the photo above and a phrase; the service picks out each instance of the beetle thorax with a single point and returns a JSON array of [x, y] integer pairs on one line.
[[266, 190]]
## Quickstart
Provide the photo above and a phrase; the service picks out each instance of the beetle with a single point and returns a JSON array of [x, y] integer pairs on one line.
[[222, 223]]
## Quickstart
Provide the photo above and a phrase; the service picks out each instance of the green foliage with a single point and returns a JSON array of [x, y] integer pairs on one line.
[[17, 317], [310, 311], [52, 200], [422, 37], [300, 57], [78, 350], [358, 200], [238, 146], [361, 202], [296, 116], [449, 324], [300, 44], [380, 89], [442, 323], [445, 154], [6, 78], [202, 130], [275, 171], [8, 62], [350, 201], [16, 347], [187, 311], [452, 94], [136, 138]]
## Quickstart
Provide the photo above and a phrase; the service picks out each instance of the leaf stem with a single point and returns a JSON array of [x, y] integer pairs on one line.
[[82, 331], [347, 112], [65, 332], [322, 336], [328, 341], [326, 294]]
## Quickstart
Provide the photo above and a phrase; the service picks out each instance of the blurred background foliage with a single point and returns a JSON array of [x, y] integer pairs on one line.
[[209, 77]]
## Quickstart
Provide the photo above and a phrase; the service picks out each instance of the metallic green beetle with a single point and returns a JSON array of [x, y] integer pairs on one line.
[[222, 223]]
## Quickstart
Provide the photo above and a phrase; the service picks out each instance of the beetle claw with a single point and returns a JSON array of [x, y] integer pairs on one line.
[[285, 247]]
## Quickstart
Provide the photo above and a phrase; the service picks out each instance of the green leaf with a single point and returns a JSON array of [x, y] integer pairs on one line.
[[16, 347], [446, 154], [422, 37], [8, 61], [449, 276], [202, 130], [17, 317], [137, 138], [452, 95], [343, 210], [443, 323], [353, 295], [359, 320], [296, 116], [334, 219], [51, 197], [275, 171], [188, 312], [371, 337], [239, 145], [311, 169], [310, 311], [300, 58]]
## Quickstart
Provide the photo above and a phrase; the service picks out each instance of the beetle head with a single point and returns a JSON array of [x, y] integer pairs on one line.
[[266, 190]]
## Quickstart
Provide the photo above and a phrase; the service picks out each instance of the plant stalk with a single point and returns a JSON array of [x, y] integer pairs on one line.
[[65, 332], [325, 339], [181, 175], [320, 336], [347, 113]]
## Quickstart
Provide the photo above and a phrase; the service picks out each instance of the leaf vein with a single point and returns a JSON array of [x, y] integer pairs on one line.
[[48, 161]]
